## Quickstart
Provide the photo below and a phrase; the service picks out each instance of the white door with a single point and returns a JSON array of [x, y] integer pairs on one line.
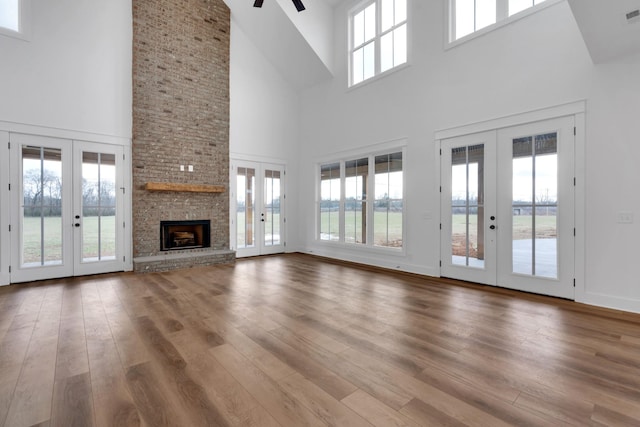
[[468, 203], [536, 211], [257, 214], [98, 208], [66, 207], [5, 213], [508, 207]]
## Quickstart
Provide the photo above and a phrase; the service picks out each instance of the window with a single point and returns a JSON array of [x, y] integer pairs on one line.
[[469, 16], [378, 38], [14, 20], [10, 15], [387, 213], [348, 215], [330, 201], [355, 207]]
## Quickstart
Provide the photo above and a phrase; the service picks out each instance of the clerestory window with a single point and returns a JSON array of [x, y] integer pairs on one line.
[[10, 15], [13, 18], [378, 38], [469, 16]]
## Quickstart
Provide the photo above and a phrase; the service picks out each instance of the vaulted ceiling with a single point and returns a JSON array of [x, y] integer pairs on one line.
[[300, 45], [605, 29]]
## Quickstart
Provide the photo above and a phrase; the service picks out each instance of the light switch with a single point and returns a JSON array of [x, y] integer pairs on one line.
[[181, 168], [190, 168]]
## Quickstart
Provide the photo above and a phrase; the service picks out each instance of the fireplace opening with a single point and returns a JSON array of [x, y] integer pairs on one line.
[[178, 235]]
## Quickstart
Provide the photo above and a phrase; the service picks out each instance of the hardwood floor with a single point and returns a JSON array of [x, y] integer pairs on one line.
[[295, 340]]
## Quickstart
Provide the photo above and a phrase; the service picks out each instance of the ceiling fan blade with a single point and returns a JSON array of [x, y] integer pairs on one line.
[[299, 5], [258, 3]]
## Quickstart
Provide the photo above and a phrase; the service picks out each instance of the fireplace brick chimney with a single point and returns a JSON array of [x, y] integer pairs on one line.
[[180, 118]]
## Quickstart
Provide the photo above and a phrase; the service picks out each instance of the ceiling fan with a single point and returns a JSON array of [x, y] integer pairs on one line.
[[297, 3]]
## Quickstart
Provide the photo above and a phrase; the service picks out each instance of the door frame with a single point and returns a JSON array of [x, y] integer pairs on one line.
[[260, 165], [575, 109], [8, 128], [5, 211]]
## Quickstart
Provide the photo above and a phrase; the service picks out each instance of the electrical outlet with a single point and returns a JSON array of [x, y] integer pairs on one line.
[[190, 168], [181, 168], [625, 217]]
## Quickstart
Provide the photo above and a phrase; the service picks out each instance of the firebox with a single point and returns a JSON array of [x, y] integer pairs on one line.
[[176, 235]]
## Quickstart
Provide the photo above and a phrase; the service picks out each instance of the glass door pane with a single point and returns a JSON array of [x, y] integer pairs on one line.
[[355, 210], [535, 205], [41, 207], [467, 206], [98, 206], [245, 207], [271, 211]]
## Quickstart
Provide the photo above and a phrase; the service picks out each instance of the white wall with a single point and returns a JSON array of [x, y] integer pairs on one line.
[[264, 116], [537, 62], [75, 71], [613, 179]]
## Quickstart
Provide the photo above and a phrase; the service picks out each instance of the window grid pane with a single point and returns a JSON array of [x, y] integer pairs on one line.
[[358, 29], [465, 17], [358, 66], [386, 52], [400, 11], [400, 45], [330, 197], [369, 61], [370, 22], [386, 14], [485, 13], [10, 14]]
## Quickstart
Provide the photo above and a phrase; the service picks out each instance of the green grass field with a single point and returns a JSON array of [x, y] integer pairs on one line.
[[31, 238], [522, 226], [353, 227]]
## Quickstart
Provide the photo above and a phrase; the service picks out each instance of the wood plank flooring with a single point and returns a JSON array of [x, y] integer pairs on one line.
[[295, 340]]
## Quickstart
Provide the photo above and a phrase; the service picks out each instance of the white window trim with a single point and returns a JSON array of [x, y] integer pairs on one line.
[[24, 32], [502, 21], [341, 158], [376, 40]]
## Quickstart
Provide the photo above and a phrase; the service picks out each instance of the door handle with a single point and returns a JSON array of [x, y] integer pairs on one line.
[[493, 227], [77, 224]]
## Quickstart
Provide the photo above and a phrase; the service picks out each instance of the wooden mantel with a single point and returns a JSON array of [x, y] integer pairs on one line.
[[190, 188]]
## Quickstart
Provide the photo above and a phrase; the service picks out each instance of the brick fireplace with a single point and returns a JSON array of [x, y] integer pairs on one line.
[[180, 128]]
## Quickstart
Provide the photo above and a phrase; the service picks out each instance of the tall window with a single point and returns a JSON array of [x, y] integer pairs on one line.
[[469, 16], [330, 196], [355, 206], [387, 213], [10, 15], [378, 38], [351, 216]]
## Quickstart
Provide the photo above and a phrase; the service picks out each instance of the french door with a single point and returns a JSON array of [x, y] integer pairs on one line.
[[257, 217], [508, 207], [66, 208]]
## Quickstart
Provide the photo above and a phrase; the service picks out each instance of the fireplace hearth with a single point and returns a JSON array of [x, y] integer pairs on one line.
[[181, 235]]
